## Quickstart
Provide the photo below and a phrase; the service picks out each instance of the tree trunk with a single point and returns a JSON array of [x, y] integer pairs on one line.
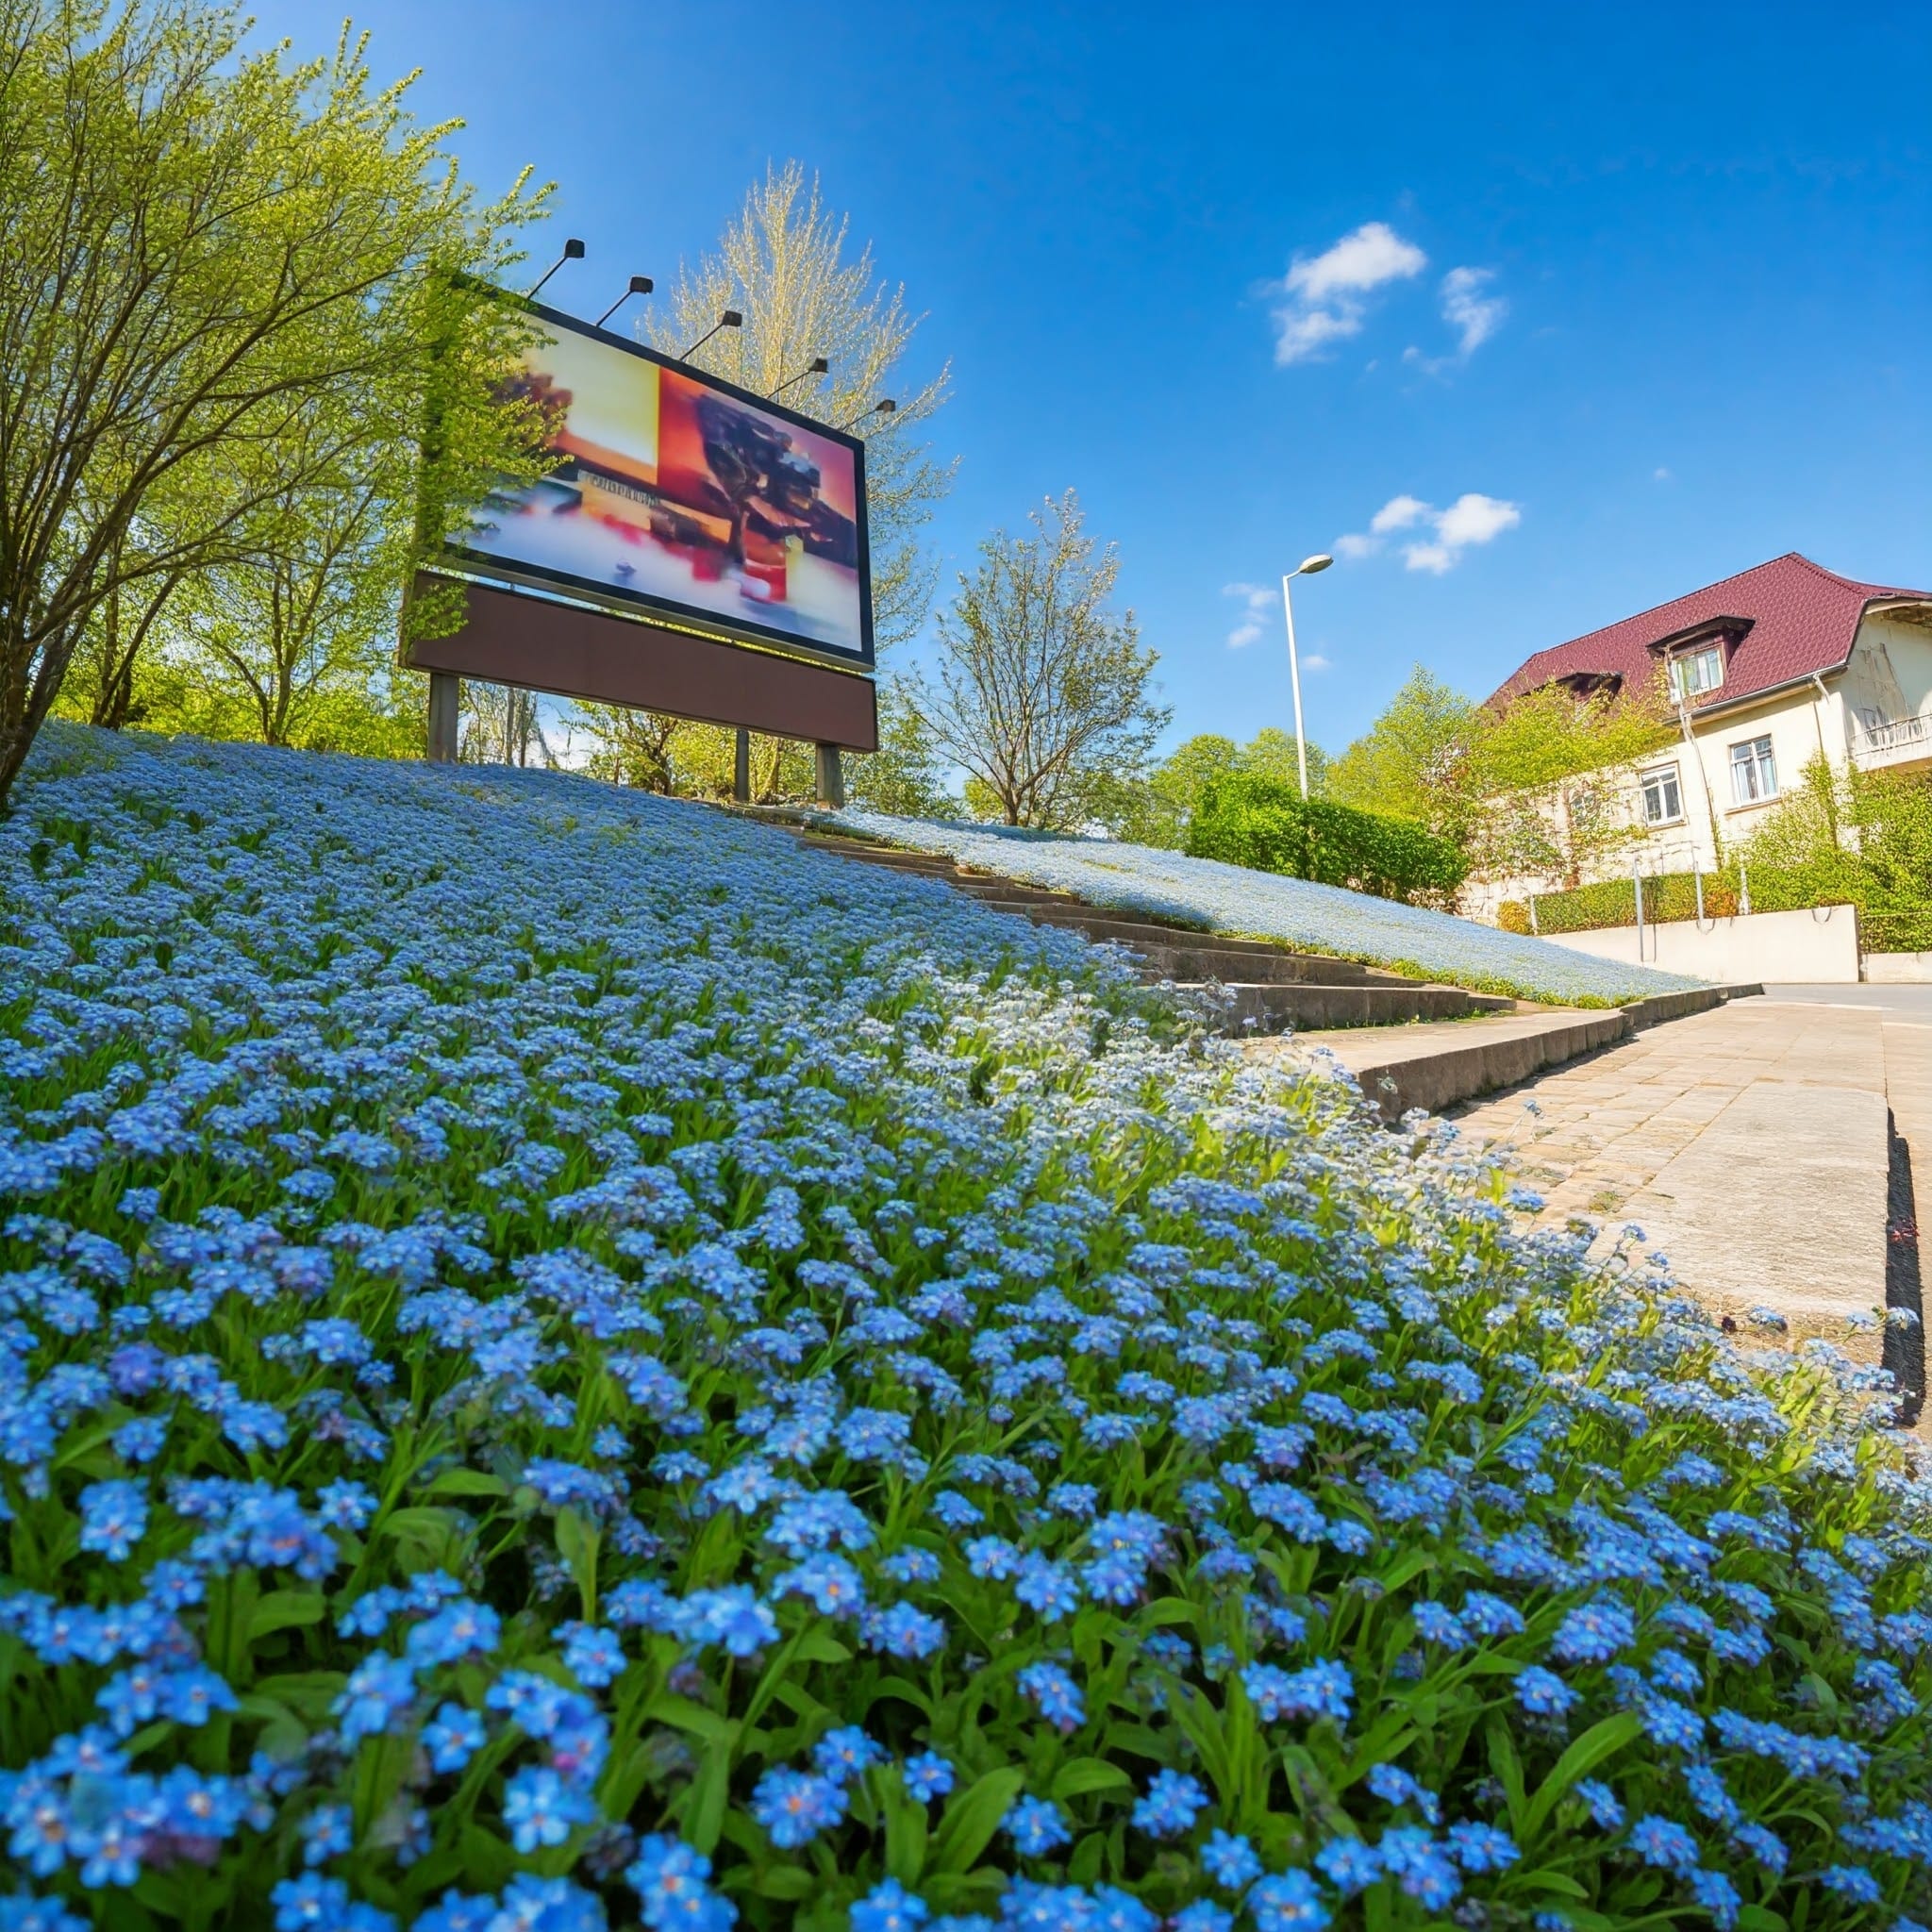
[[17, 735]]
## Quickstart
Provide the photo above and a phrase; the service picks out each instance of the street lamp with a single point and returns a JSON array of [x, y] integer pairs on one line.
[[1307, 568]]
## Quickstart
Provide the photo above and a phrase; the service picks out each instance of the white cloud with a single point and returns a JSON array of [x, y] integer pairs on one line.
[[1315, 661], [1661, 474], [1261, 600], [1472, 518], [1473, 315], [1398, 514], [1325, 293], [1375, 254]]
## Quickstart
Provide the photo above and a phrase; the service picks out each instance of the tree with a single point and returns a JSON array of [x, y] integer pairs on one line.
[[782, 265], [1409, 761], [202, 245], [1540, 787], [1530, 787], [1271, 753], [309, 617], [630, 746], [1043, 692], [500, 725], [905, 775]]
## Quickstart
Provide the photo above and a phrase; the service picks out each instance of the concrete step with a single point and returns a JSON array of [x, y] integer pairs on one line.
[[1263, 1007], [1183, 964], [891, 856], [1437, 1067], [1136, 929], [1007, 896]]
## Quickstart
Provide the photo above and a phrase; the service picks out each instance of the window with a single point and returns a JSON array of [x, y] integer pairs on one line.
[[1663, 804], [1754, 775], [1697, 671]]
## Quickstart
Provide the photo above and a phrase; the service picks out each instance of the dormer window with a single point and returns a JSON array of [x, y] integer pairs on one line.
[[1693, 673]]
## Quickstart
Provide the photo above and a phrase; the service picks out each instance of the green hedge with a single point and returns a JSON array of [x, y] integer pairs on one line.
[[1897, 929], [1669, 896], [1884, 926], [1244, 819]]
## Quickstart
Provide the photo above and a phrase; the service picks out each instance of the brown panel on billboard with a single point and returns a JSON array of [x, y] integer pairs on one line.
[[575, 653]]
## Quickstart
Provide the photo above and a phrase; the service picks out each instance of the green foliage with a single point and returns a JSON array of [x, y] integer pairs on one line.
[[1407, 763], [1156, 809], [1044, 692], [904, 777], [1244, 819], [1519, 785], [1848, 837], [1613, 902], [229, 282]]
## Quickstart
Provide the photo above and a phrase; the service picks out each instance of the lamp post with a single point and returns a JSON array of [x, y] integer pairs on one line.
[[1307, 568]]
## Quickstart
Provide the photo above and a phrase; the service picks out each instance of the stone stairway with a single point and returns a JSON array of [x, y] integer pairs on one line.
[[1264, 988]]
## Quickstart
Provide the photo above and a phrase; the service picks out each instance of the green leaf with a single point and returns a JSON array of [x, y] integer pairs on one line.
[[681, 1714], [577, 1543], [1602, 1739], [1508, 1769], [908, 1830], [1558, 1882], [972, 1818], [1087, 1774], [285, 1610], [818, 1646], [468, 1482], [704, 1803], [786, 1882]]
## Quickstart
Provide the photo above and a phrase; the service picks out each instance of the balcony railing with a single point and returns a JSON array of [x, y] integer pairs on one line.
[[1890, 739]]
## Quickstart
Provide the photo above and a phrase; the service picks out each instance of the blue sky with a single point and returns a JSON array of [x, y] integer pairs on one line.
[[1631, 299]]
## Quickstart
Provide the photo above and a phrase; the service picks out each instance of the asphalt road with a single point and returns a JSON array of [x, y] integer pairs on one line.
[[1908, 1002]]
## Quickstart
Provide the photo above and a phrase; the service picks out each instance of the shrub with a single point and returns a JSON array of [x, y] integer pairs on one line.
[[1889, 929], [569, 1361], [1244, 819]]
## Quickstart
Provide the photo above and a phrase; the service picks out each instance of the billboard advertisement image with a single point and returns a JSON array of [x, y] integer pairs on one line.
[[677, 494]]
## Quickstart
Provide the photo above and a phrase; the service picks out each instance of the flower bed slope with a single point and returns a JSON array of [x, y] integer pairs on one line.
[[567, 1362], [1256, 904]]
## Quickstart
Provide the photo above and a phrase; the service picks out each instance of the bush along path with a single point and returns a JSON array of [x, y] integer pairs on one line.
[[570, 1364]]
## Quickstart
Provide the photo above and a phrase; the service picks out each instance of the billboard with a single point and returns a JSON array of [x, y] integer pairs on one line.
[[678, 495]]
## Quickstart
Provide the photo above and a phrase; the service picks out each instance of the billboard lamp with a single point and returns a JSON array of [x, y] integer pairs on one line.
[[572, 251], [639, 285], [883, 407], [730, 318], [817, 366]]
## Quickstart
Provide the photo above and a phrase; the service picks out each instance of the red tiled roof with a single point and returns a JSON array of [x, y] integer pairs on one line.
[[1790, 617]]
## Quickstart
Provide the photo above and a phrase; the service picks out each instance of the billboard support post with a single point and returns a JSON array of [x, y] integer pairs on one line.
[[445, 705], [830, 774], [741, 768]]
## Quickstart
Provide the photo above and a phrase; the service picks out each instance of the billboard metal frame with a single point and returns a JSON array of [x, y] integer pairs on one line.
[[687, 616], [574, 650]]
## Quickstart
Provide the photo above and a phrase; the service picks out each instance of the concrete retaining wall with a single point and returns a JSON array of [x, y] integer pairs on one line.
[[1814, 948], [1899, 969]]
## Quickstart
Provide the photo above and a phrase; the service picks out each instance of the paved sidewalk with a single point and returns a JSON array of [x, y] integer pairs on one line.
[[1749, 1144]]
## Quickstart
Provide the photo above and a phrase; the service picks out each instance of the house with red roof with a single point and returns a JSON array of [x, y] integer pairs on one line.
[[1765, 672]]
